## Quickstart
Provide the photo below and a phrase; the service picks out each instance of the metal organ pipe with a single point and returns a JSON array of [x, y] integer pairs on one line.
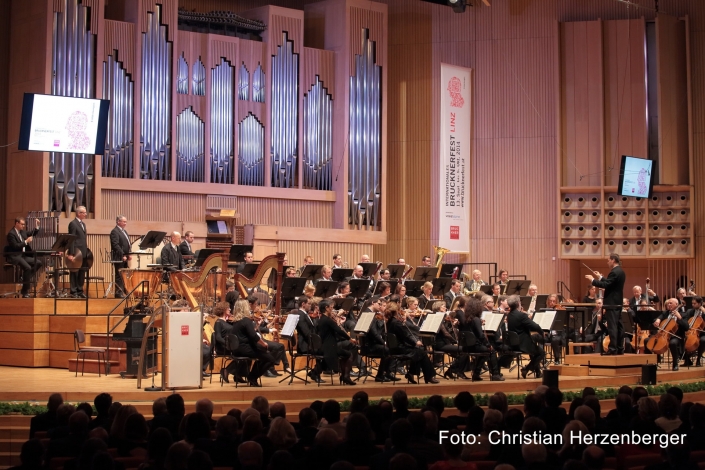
[[243, 83], [365, 153], [222, 110], [119, 142], [182, 77], [285, 85], [73, 67], [250, 152], [258, 83], [199, 78], [190, 145], [317, 150]]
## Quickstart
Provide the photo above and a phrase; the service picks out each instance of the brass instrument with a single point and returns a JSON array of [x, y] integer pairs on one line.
[[298, 272], [345, 265], [440, 253]]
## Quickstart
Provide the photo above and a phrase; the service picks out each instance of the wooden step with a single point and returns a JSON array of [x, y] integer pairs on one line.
[[14, 432], [12, 445], [91, 366], [597, 360]]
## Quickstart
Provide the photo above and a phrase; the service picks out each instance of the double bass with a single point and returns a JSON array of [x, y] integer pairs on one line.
[[640, 336]]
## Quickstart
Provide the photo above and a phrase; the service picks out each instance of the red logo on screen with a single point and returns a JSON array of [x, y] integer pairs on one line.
[[184, 330], [56, 143], [454, 232], [454, 87]]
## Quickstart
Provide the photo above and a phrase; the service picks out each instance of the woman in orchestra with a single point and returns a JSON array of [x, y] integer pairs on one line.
[[591, 295], [337, 344], [413, 312], [410, 345], [411, 322], [446, 342], [473, 317], [458, 309], [309, 290], [223, 327], [343, 290], [400, 290], [251, 345], [384, 289], [426, 299]]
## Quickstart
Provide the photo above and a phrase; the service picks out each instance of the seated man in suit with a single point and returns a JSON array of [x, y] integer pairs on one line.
[[186, 248], [651, 297], [454, 291], [594, 331], [19, 252], [326, 273], [171, 254], [520, 323], [249, 258], [305, 327]]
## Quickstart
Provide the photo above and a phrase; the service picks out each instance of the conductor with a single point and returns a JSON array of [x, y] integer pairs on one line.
[[614, 293], [19, 252]]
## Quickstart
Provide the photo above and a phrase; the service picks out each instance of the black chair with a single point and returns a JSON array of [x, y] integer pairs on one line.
[[468, 340], [232, 343], [316, 345], [370, 360], [78, 339], [393, 344], [294, 354], [215, 355], [511, 340]]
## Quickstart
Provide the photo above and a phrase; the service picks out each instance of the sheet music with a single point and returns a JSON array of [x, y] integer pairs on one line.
[[545, 319], [492, 321], [364, 322], [222, 228], [431, 324], [290, 325]]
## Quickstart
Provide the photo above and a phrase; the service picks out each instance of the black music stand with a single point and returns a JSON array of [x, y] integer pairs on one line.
[[248, 269], [526, 302], [392, 285], [346, 303], [441, 285], [203, 254], [517, 287], [151, 240], [312, 272], [645, 318], [396, 271], [237, 252], [541, 301], [413, 288], [486, 289], [340, 274], [368, 268], [292, 287], [688, 300], [63, 243], [447, 270], [359, 288], [325, 289], [425, 273]]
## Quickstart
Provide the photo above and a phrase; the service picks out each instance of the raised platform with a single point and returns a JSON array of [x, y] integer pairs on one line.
[[581, 365]]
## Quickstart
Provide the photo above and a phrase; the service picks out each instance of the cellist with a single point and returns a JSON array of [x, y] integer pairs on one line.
[[675, 341], [697, 302]]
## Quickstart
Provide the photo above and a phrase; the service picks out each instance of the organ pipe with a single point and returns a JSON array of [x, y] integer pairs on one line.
[[317, 144], [284, 115], [250, 152], [119, 140], [222, 111]]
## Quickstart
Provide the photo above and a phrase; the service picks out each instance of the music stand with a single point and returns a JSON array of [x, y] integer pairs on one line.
[[312, 272], [368, 268], [517, 287], [344, 303], [688, 300], [413, 288], [325, 289], [441, 285], [396, 271], [248, 269], [289, 327], [292, 287], [541, 301], [431, 324], [392, 286], [364, 322], [151, 240], [645, 318], [359, 288], [63, 243], [448, 269], [425, 273], [203, 254], [526, 302], [237, 252], [340, 274], [486, 289]]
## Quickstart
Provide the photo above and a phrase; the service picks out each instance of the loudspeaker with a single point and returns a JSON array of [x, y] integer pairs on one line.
[[648, 374], [550, 378]]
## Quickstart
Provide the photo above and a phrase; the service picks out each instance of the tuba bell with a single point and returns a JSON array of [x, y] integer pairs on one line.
[[440, 253]]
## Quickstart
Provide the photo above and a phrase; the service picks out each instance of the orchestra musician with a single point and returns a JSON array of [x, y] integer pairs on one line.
[[594, 331], [171, 254], [454, 292], [365, 259], [384, 289], [305, 327], [503, 277], [185, 246], [496, 289], [426, 298], [697, 309], [400, 290], [19, 252], [343, 290], [676, 342], [401, 261], [249, 258], [309, 290], [251, 344], [374, 342], [384, 274], [614, 287], [409, 345], [680, 296], [557, 337], [519, 323], [476, 282], [651, 296], [532, 292], [78, 228], [120, 249], [275, 348], [337, 344], [447, 341], [231, 295], [326, 273], [591, 295], [426, 261], [413, 312], [222, 328], [208, 333], [473, 325], [337, 261]]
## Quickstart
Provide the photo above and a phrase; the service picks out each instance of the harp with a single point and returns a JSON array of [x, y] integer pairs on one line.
[[275, 262], [190, 285]]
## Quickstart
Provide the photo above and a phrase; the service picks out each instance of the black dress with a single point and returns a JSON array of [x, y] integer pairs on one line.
[[335, 342], [249, 346]]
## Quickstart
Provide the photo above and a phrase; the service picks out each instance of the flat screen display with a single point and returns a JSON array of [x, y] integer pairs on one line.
[[63, 124], [635, 177]]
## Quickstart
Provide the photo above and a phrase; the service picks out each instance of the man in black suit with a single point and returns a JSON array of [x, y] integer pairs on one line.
[[305, 327], [120, 248], [185, 247], [454, 292], [676, 342], [19, 252], [520, 323], [614, 294], [650, 296], [374, 341], [171, 254], [78, 228], [249, 258]]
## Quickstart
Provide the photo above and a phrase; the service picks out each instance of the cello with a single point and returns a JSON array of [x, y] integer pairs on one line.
[[695, 327], [640, 336], [658, 343]]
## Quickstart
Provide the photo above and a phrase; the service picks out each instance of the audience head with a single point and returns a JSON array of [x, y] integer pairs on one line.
[[676, 392], [400, 433], [308, 418], [196, 426], [177, 456], [400, 400], [282, 434], [594, 457], [402, 461], [175, 405], [587, 391], [159, 407], [358, 429], [498, 402], [160, 441], [463, 401], [585, 415], [277, 410], [31, 454], [199, 460], [226, 428], [250, 455], [55, 400], [668, 406], [205, 406], [331, 411], [533, 453]]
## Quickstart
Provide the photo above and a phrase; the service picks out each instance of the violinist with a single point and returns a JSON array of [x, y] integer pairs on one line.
[[426, 299], [675, 341], [251, 344], [374, 342], [265, 326], [447, 342], [413, 312], [222, 328], [593, 332], [337, 344], [519, 323], [474, 322], [614, 292], [651, 296], [409, 345], [557, 337], [305, 328], [454, 292], [208, 333], [696, 311], [309, 290]]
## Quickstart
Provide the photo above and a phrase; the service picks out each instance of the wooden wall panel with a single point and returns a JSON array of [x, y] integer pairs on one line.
[[154, 206], [625, 94], [285, 212]]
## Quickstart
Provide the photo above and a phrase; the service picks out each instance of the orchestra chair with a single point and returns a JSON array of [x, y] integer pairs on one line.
[[11, 267], [215, 356], [393, 344], [232, 343], [512, 341], [17, 275], [78, 339], [468, 340], [317, 345], [371, 362]]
